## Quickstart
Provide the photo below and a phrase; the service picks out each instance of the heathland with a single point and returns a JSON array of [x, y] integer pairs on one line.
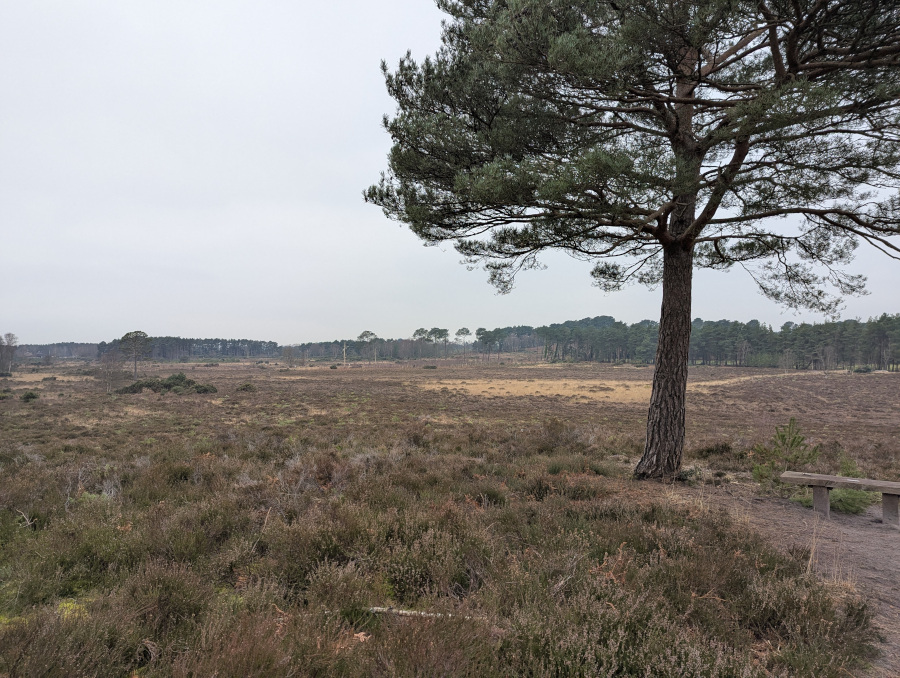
[[262, 529]]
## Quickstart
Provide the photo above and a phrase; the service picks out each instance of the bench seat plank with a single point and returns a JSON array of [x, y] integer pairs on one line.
[[820, 480], [822, 486]]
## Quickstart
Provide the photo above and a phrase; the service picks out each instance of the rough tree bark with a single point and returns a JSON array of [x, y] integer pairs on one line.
[[665, 420]]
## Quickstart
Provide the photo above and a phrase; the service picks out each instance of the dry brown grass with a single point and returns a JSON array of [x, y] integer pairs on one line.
[[181, 526], [858, 413], [31, 378], [588, 389]]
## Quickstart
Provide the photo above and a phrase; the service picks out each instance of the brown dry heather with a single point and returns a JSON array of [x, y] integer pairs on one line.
[[250, 531]]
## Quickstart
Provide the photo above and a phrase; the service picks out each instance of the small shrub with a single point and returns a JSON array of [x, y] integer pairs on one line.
[[722, 456], [166, 596], [246, 388], [51, 642], [865, 369], [333, 367], [539, 488], [176, 383], [429, 367], [715, 450], [554, 435], [852, 501], [49, 379], [28, 396], [788, 452], [688, 475]]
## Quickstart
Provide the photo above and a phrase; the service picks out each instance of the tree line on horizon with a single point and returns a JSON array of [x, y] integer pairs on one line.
[[845, 344]]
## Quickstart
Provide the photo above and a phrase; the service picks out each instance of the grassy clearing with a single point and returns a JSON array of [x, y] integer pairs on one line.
[[164, 541]]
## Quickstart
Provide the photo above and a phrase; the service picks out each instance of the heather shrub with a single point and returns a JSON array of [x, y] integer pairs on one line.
[[166, 598], [722, 455], [82, 641], [176, 383], [170, 547], [239, 645], [85, 549]]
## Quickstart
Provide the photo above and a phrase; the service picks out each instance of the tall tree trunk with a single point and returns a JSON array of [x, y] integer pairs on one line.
[[665, 420]]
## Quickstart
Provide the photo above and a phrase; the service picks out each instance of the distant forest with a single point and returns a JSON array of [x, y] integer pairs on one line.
[[178, 348], [161, 348], [846, 344]]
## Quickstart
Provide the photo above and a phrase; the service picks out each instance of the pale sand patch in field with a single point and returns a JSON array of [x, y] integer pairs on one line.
[[585, 389], [32, 378], [589, 389], [709, 383]]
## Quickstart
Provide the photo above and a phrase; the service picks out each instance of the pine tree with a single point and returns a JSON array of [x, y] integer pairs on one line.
[[652, 137]]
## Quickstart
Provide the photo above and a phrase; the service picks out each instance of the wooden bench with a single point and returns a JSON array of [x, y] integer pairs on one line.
[[822, 485]]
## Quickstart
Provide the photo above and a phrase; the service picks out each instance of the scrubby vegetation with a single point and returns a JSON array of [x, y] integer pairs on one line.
[[254, 534], [167, 560], [176, 383], [789, 451]]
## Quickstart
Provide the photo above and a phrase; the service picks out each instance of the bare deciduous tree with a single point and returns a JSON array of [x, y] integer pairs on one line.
[[287, 353], [112, 365], [8, 344]]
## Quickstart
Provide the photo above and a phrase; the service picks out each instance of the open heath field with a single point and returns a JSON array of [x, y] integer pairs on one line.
[[468, 520]]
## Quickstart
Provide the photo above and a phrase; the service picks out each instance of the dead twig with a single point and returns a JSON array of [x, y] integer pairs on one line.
[[28, 521]]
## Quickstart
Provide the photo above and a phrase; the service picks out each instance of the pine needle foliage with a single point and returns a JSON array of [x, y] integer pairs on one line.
[[787, 451], [651, 138]]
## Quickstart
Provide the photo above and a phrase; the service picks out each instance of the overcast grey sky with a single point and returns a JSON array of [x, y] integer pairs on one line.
[[195, 168]]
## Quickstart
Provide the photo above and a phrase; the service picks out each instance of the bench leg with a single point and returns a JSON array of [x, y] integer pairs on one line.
[[822, 500], [889, 513]]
